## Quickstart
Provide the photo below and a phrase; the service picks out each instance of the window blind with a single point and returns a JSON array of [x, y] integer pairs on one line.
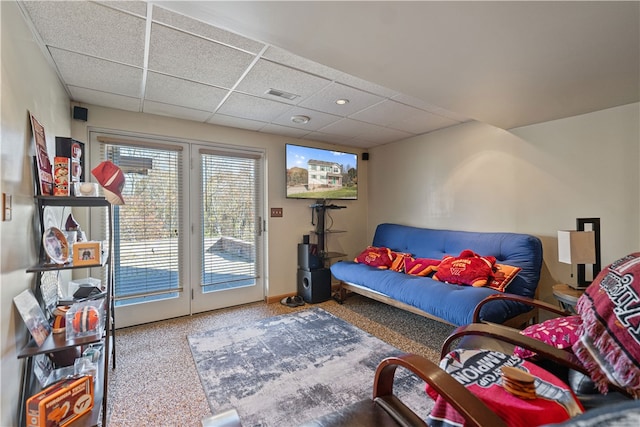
[[146, 240], [230, 223]]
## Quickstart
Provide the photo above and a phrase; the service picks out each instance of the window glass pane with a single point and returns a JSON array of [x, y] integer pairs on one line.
[[146, 237], [228, 221]]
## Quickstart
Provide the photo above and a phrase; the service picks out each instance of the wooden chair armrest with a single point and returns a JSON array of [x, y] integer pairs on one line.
[[466, 403], [518, 298]]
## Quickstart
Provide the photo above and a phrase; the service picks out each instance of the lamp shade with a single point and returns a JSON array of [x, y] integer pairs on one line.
[[576, 247]]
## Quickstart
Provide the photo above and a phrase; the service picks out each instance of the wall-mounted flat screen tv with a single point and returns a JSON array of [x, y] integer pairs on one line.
[[316, 173]]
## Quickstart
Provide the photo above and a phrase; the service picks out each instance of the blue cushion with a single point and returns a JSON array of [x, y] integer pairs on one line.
[[452, 303], [518, 250]]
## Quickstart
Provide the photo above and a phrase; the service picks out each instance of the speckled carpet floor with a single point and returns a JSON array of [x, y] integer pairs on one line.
[[156, 382]]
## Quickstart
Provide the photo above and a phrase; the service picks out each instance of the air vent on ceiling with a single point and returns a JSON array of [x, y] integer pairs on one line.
[[282, 94]]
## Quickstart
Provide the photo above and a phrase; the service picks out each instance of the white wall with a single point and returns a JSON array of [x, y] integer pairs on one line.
[[28, 84], [283, 234], [536, 179]]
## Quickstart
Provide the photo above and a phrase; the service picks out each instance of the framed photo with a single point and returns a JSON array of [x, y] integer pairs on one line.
[[45, 172], [33, 316], [86, 253]]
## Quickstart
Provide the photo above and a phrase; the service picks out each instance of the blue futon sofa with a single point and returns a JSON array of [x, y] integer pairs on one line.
[[449, 303]]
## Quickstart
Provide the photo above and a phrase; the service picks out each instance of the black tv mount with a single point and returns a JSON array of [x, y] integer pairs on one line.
[[320, 208], [323, 205]]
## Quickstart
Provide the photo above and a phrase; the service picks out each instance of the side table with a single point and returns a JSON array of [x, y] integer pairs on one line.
[[567, 296]]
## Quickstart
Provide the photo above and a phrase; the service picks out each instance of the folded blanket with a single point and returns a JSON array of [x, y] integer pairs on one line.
[[609, 344]]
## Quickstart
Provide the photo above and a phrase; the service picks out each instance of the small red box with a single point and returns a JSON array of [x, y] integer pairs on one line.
[[61, 176], [60, 404]]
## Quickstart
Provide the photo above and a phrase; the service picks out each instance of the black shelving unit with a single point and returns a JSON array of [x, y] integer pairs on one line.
[[58, 342]]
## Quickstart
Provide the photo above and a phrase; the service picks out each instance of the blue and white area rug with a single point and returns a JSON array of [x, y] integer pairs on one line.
[[285, 370]]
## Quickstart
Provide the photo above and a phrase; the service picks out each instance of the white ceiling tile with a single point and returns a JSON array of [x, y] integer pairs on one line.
[[381, 135], [92, 73], [450, 114], [205, 30], [267, 75], [284, 130], [326, 137], [403, 117], [104, 99], [281, 56], [251, 107], [348, 127], [324, 100], [172, 90], [365, 85], [318, 119], [152, 107], [423, 105], [362, 143], [236, 122], [194, 58], [137, 7], [90, 28]]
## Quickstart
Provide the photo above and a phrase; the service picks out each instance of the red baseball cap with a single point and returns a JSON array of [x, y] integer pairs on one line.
[[111, 179]]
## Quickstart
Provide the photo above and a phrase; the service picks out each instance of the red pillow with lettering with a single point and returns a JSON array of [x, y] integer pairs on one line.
[[379, 257], [420, 266], [502, 275], [467, 269]]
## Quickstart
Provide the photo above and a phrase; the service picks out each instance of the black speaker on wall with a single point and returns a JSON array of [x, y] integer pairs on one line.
[[80, 113], [314, 286]]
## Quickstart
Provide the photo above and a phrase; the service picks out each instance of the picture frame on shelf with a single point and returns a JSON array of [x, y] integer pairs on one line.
[[43, 162], [86, 253], [33, 316]]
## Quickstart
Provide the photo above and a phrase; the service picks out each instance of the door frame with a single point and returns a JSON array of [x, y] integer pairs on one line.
[[229, 297]]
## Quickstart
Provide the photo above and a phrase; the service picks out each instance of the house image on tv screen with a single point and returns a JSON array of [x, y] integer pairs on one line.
[[323, 174]]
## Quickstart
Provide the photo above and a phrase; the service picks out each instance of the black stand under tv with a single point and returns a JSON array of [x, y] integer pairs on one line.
[[314, 279]]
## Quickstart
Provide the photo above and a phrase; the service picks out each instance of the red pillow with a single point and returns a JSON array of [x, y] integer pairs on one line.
[[560, 332], [397, 261], [467, 269], [379, 257], [420, 266], [502, 276]]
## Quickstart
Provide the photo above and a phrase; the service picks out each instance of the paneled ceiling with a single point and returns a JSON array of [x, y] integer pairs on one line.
[[405, 68]]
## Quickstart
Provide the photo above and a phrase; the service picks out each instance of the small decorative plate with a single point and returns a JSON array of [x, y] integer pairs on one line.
[[56, 245]]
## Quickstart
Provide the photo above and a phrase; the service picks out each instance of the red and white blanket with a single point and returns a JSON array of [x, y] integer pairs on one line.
[[609, 344]]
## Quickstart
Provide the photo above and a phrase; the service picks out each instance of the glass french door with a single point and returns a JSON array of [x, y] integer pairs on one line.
[[229, 228], [188, 238], [150, 229]]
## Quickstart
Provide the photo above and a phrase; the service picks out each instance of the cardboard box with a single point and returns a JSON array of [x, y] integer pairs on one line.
[[60, 404]]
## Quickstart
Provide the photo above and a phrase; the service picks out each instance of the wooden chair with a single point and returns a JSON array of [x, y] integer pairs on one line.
[[385, 409], [490, 336]]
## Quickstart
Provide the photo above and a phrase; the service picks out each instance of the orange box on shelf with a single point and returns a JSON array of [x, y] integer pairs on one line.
[[86, 253], [60, 404], [61, 176]]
